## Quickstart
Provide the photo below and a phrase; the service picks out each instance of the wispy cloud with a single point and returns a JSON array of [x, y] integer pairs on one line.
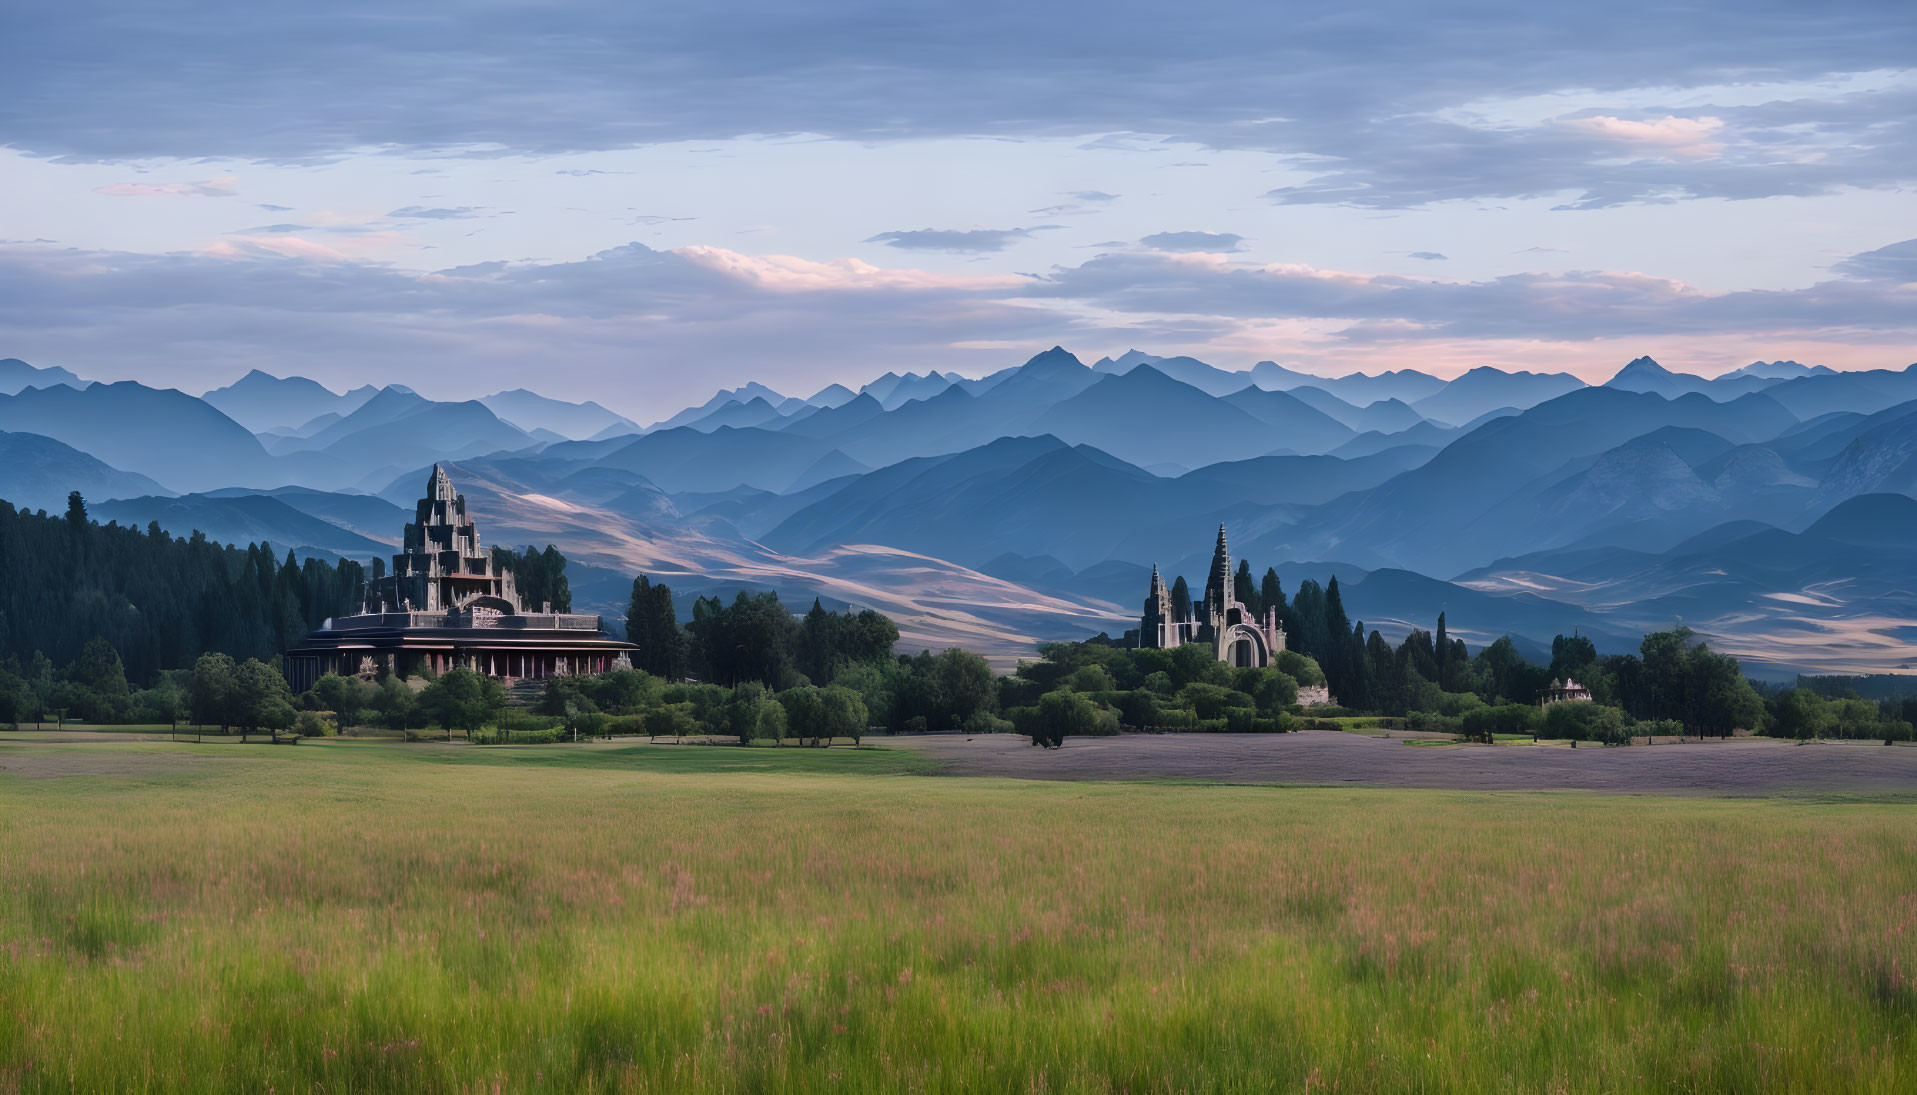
[[964, 241], [1366, 93], [424, 213], [1221, 242], [1896, 262], [222, 187]]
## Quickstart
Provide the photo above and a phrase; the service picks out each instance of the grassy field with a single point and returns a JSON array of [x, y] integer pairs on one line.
[[374, 917]]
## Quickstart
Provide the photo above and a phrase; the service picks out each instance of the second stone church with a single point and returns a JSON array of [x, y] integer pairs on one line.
[[1237, 636]]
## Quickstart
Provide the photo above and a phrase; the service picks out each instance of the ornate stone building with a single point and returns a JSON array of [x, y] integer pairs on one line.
[[1564, 691], [447, 604], [1236, 636]]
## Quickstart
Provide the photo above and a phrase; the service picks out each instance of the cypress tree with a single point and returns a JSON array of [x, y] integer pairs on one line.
[[1271, 593]]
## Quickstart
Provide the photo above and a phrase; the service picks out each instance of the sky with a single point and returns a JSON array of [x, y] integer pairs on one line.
[[640, 204]]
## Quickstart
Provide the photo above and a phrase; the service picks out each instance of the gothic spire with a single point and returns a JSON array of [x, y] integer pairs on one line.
[[1219, 584]]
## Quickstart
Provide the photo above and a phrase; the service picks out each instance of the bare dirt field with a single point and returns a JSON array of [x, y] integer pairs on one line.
[[1739, 766]]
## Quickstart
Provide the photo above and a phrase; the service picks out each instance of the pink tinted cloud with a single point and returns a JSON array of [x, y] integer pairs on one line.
[[1690, 137]]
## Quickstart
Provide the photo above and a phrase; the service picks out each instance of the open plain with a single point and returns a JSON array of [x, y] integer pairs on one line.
[[370, 916], [1743, 765]]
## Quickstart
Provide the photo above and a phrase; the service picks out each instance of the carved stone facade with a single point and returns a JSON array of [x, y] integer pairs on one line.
[[1236, 636], [447, 605], [441, 565]]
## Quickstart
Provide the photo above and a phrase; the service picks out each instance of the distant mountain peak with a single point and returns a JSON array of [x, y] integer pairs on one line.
[[1645, 367], [1779, 370], [1058, 357]]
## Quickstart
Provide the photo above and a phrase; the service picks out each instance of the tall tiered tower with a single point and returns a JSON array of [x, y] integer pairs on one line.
[[442, 565]]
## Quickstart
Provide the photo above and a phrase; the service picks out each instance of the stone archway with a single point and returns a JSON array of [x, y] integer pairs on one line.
[[1244, 648]]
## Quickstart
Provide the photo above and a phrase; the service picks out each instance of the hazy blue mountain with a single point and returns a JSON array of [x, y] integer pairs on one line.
[[263, 403], [833, 465], [592, 483], [394, 430], [686, 459], [1428, 434], [1780, 370], [1187, 370], [1879, 456], [644, 504], [893, 390], [1832, 594], [37, 472], [1294, 480], [1863, 392], [753, 512], [1429, 517], [831, 421], [757, 411], [1485, 389], [1405, 385], [737, 395], [386, 405], [832, 395], [369, 515], [1406, 598], [1641, 494], [1135, 415], [531, 411], [180, 441], [436, 431], [1046, 378], [1037, 571], [1646, 375], [1294, 425], [1383, 416], [955, 420], [966, 507], [1075, 503], [242, 519], [16, 376]]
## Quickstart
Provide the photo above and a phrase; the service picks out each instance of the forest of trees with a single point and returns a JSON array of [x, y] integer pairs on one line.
[[159, 601], [755, 638], [539, 575], [109, 624]]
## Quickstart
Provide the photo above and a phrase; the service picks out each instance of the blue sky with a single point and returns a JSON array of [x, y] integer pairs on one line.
[[642, 203]]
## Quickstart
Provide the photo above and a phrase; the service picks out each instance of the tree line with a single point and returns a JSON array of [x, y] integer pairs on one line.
[[86, 610], [159, 601], [754, 638]]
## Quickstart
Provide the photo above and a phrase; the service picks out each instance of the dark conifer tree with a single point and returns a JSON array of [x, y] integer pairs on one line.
[[1244, 590], [1271, 593], [1311, 635]]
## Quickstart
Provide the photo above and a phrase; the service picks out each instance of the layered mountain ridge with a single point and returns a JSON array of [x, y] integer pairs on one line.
[[1028, 503]]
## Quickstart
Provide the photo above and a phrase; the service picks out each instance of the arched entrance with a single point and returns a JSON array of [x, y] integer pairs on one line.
[[1244, 648]]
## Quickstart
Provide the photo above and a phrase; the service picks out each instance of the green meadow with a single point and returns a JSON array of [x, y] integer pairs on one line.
[[345, 917]]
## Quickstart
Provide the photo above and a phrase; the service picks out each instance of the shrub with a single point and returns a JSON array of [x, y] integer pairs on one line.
[[1585, 722], [1426, 722], [1511, 718], [1065, 714], [984, 722], [314, 724]]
